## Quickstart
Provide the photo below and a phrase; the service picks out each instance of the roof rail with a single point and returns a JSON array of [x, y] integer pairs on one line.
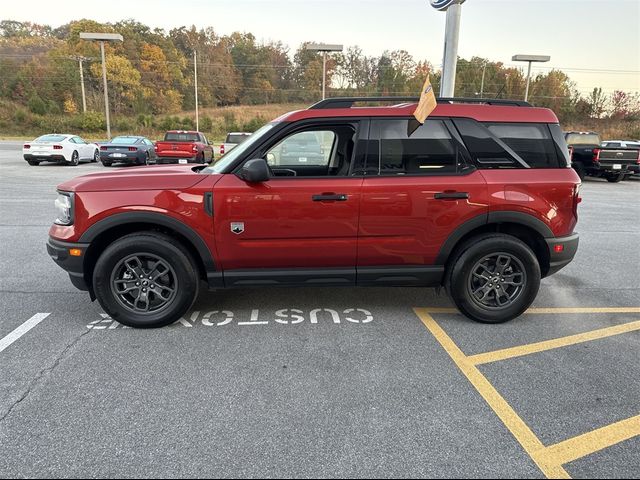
[[347, 102]]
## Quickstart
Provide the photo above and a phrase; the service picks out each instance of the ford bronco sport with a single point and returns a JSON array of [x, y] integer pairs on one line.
[[480, 199]]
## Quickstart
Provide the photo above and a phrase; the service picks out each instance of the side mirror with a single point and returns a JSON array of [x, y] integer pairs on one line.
[[255, 171]]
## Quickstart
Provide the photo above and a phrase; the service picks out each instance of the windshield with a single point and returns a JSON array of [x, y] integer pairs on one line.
[[583, 139], [50, 138], [125, 140], [230, 156], [236, 138]]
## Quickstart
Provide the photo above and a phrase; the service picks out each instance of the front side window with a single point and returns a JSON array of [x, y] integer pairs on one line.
[[318, 152], [304, 148], [428, 150]]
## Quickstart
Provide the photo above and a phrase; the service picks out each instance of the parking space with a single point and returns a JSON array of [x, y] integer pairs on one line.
[[320, 382], [545, 393]]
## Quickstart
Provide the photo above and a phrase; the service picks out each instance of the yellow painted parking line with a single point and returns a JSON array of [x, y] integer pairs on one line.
[[522, 433], [530, 348], [540, 311], [591, 442], [584, 310]]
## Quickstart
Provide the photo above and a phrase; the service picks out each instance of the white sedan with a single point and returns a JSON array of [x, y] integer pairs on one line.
[[60, 148]]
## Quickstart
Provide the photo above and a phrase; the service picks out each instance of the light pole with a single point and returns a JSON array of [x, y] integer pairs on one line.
[[451, 34], [530, 59], [104, 37], [324, 48], [195, 77]]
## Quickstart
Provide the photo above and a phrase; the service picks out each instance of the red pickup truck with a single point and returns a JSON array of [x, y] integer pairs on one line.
[[181, 146]]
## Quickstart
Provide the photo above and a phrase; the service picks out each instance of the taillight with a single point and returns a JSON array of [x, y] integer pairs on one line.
[[638, 159], [103, 148], [133, 149], [57, 147], [596, 154], [194, 148], [27, 147], [222, 149], [576, 199]]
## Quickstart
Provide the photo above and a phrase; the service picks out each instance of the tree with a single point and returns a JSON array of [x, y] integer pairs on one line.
[[597, 103], [123, 79]]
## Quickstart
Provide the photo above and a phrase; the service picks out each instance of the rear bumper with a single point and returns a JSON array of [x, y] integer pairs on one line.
[[175, 159], [130, 158], [44, 158], [74, 266], [560, 259]]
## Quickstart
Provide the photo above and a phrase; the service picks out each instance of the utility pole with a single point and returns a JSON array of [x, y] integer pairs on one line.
[[84, 98], [484, 70], [195, 76]]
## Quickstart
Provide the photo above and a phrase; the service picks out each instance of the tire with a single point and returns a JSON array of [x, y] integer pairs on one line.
[[487, 251], [128, 307], [201, 159], [106, 164], [146, 158], [33, 163], [96, 156], [615, 178], [75, 159], [579, 168]]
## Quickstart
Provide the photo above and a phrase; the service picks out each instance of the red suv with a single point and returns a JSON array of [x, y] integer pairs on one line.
[[481, 199]]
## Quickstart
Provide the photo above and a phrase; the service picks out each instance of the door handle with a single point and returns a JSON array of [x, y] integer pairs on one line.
[[451, 195], [330, 197]]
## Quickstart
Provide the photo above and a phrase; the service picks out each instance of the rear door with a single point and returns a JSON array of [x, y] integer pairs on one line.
[[417, 191], [301, 225]]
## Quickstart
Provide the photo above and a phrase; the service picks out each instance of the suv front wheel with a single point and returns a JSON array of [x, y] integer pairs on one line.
[[493, 278], [146, 280]]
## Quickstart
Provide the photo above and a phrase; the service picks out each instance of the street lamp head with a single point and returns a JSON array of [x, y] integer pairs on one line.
[[103, 37], [531, 58], [324, 47]]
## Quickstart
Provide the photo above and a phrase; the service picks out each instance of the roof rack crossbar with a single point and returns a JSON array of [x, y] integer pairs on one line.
[[347, 102]]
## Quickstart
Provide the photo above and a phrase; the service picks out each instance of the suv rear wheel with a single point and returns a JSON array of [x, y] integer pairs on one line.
[[146, 280], [493, 278]]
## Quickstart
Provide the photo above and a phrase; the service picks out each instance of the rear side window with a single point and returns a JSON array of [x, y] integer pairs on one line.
[[531, 141], [509, 145], [429, 150]]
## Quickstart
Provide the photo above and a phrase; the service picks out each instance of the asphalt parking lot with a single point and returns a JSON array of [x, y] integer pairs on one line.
[[319, 382]]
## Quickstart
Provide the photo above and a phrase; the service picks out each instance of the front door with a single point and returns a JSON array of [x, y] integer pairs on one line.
[[301, 225]]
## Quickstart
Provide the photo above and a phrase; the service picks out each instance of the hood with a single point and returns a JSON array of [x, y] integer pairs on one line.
[[169, 177]]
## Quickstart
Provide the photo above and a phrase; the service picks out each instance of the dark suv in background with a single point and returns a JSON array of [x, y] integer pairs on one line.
[[481, 199]]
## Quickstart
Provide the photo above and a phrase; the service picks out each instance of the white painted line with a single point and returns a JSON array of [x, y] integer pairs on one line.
[[22, 329]]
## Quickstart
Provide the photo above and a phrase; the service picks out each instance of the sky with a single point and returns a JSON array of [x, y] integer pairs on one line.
[[596, 42]]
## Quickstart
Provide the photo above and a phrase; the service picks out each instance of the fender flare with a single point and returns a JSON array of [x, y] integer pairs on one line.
[[154, 218], [487, 219]]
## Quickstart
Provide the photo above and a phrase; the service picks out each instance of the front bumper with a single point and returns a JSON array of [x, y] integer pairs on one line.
[[560, 259], [73, 265]]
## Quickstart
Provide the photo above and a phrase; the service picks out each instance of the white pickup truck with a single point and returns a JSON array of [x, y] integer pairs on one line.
[[233, 139]]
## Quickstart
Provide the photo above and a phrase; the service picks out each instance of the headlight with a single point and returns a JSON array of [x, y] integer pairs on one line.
[[64, 208]]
